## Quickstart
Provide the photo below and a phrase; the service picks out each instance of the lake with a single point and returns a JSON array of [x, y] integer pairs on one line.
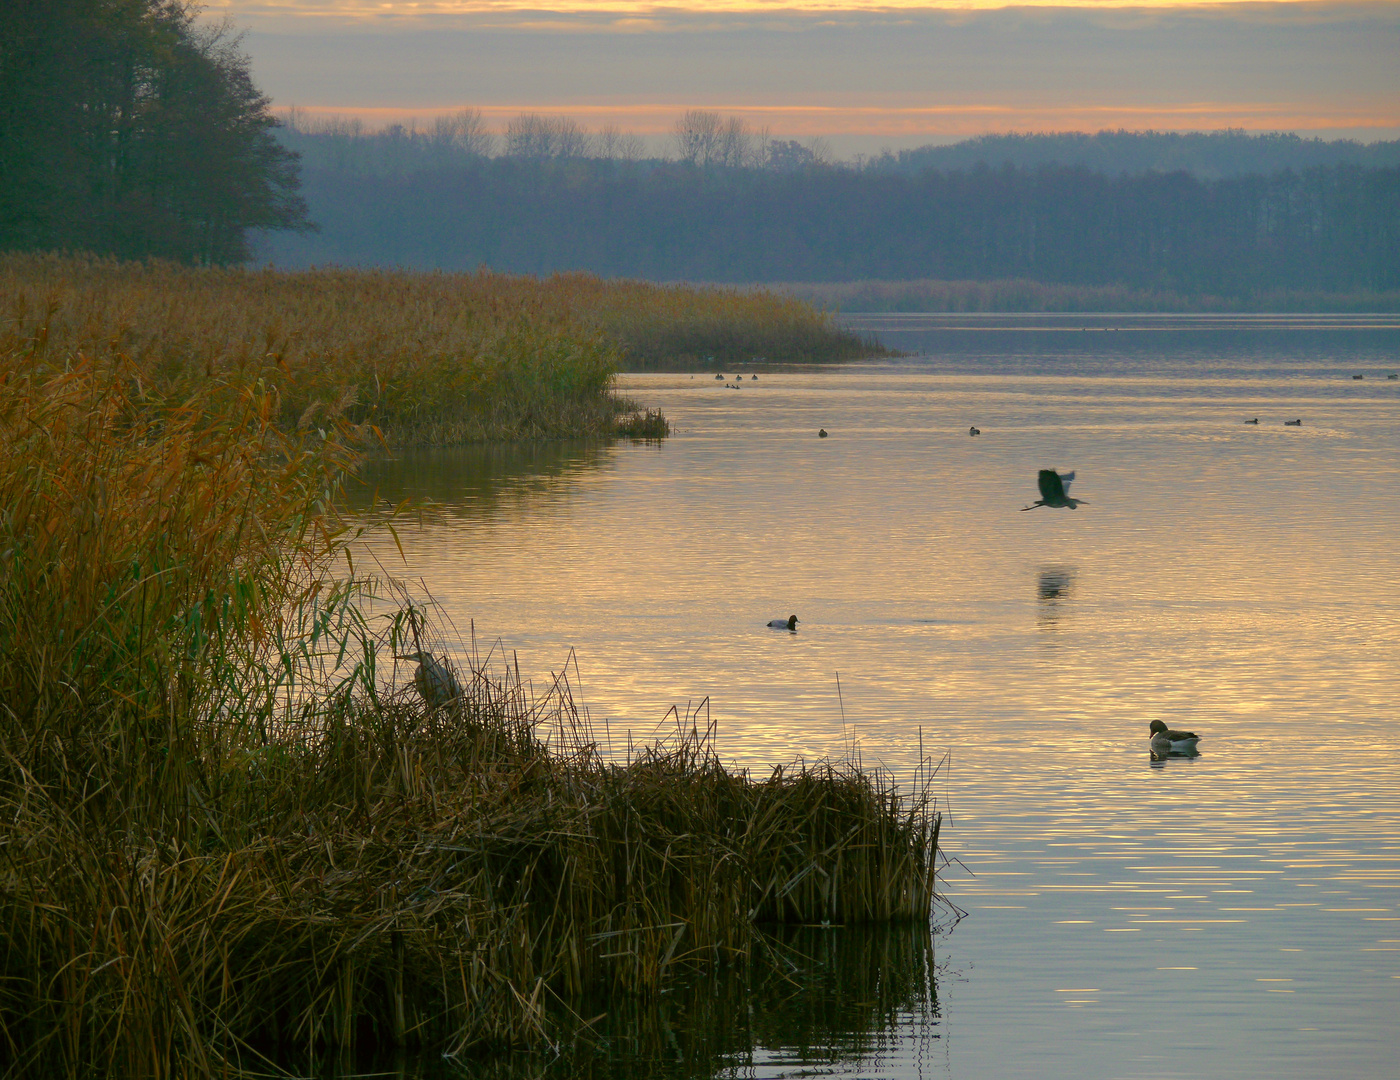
[[1232, 914]]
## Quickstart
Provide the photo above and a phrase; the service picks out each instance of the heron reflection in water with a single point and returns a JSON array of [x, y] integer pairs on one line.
[[434, 680], [1052, 587], [1054, 490]]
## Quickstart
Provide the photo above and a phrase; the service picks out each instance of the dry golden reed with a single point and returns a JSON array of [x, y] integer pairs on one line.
[[426, 358], [228, 828]]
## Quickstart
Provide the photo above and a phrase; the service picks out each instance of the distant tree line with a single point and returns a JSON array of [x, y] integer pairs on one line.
[[1206, 154], [698, 137], [128, 128], [1331, 227]]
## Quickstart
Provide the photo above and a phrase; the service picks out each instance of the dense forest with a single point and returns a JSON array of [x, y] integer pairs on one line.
[[128, 128], [1326, 227]]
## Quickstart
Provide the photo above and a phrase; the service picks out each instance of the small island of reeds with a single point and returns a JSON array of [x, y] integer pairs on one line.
[[231, 828]]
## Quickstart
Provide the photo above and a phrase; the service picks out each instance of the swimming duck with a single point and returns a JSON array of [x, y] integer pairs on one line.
[[1254, 421], [790, 623], [821, 434], [974, 431], [719, 378], [1167, 741], [1293, 423]]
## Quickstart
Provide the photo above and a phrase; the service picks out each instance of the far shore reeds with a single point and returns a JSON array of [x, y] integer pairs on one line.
[[1024, 295], [229, 829]]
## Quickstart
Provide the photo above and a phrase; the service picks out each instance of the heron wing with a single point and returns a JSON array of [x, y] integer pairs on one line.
[[1051, 489], [1065, 478]]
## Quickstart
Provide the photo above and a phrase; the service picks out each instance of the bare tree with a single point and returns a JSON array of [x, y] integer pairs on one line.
[[573, 139], [618, 145], [465, 131], [762, 147], [735, 144], [698, 135], [531, 135]]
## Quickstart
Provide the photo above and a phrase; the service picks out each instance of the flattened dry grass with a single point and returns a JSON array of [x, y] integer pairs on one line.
[[228, 830]]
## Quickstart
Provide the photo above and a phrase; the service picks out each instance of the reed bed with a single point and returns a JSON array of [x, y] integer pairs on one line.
[[426, 358], [670, 326], [231, 830]]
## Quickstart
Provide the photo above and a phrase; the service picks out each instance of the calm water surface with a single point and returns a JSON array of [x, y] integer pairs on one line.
[[1228, 915]]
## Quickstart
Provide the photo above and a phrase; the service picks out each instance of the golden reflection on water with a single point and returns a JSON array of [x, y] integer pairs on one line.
[[1236, 580]]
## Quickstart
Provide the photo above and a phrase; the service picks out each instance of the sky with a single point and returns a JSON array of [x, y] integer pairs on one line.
[[864, 76]]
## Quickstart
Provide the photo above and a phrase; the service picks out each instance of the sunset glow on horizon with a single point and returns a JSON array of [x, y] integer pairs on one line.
[[862, 74]]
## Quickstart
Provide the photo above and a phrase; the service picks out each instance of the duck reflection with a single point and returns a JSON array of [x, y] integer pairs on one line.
[[1159, 758], [469, 480], [1054, 587]]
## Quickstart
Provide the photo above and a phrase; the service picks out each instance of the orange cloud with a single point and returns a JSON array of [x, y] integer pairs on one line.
[[388, 10]]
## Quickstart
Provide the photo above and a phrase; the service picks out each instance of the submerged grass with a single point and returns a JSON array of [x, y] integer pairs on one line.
[[230, 830]]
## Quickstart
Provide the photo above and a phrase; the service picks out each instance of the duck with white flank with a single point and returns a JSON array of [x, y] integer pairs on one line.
[[1167, 741], [790, 623], [1054, 490]]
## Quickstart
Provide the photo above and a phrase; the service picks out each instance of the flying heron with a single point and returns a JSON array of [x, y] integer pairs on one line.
[[1167, 741], [1054, 490], [790, 623], [434, 679]]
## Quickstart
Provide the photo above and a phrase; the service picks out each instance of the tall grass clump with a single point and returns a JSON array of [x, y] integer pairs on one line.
[[231, 831]]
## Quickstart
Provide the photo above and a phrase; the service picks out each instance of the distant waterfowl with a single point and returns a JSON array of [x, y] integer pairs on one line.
[[1393, 375], [1254, 421], [754, 378], [1293, 423], [821, 433], [1054, 490], [1167, 741], [434, 680], [1358, 376], [790, 623], [719, 378], [974, 431]]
